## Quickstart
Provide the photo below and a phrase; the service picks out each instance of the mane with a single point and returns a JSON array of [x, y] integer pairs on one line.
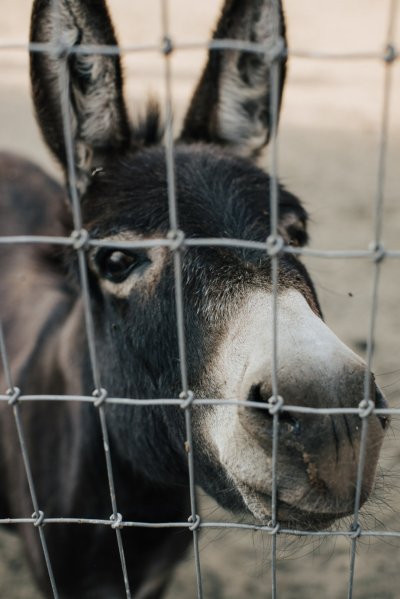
[[148, 130]]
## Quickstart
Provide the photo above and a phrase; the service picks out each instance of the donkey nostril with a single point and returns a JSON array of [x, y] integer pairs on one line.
[[381, 403], [261, 394], [258, 394]]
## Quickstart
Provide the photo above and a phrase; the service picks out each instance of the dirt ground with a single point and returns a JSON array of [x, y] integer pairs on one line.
[[329, 138]]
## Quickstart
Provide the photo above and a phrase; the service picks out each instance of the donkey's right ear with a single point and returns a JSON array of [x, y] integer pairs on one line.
[[232, 103], [88, 85]]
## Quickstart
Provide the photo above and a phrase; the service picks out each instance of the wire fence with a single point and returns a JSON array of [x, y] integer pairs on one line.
[[176, 241]]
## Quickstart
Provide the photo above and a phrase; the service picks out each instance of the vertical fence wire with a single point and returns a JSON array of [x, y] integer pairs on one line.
[[178, 237], [38, 514], [273, 248], [368, 403], [81, 238]]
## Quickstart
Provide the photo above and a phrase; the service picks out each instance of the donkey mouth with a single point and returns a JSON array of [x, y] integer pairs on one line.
[[288, 515]]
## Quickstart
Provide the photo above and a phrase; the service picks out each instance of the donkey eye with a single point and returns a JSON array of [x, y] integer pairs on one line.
[[117, 265]]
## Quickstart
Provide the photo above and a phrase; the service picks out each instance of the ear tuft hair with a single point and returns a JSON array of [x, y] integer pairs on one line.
[[148, 130], [293, 221]]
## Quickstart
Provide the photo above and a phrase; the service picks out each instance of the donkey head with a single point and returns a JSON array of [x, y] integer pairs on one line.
[[227, 293]]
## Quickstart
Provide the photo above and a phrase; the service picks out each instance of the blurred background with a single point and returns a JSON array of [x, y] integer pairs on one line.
[[328, 155]]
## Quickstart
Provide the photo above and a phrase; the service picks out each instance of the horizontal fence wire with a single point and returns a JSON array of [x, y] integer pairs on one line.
[[389, 54], [351, 534], [212, 401], [274, 247], [373, 253]]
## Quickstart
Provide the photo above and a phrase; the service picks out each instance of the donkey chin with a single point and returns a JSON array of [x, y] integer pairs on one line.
[[317, 454]]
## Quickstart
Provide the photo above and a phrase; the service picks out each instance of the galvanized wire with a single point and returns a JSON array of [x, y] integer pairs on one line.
[[387, 54], [212, 401], [177, 242], [13, 394], [274, 243], [177, 237], [268, 529], [80, 238], [372, 253], [376, 244]]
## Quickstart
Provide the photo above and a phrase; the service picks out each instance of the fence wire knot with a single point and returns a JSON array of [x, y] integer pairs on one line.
[[275, 245], [188, 398], [167, 46], [272, 528], [39, 518], [177, 238], [391, 54], [379, 251], [275, 404], [101, 395], [355, 532], [366, 407], [279, 49], [195, 524], [80, 239], [14, 394], [116, 521]]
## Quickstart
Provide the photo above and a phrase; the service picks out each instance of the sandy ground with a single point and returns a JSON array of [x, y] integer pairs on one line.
[[329, 139]]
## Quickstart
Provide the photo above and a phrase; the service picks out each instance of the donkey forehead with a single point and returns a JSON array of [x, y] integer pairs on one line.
[[216, 193]]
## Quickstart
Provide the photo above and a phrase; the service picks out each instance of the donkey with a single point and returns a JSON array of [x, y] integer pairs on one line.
[[221, 192]]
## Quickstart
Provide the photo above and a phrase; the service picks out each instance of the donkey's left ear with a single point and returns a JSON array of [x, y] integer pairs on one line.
[[232, 103], [90, 83]]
